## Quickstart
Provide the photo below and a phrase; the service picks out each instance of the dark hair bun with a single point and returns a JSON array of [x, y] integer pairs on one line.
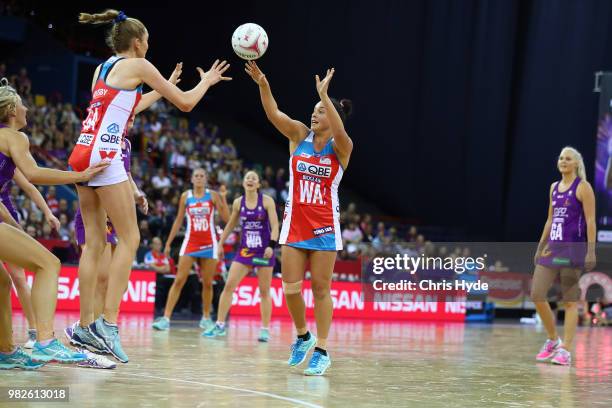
[[347, 107]]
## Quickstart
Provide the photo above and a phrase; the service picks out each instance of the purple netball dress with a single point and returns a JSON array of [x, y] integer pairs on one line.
[[7, 172], [566, 245], [255, 235], [111, 235]]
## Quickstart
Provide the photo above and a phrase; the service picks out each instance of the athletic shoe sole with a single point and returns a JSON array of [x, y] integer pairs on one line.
[[95, 367], [22, 367], [49, 359]]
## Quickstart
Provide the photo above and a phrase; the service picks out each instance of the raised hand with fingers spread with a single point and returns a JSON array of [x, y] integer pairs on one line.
[[215, 74], [255, 73]]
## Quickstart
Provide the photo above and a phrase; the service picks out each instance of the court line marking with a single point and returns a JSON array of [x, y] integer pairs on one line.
[[225, 387]]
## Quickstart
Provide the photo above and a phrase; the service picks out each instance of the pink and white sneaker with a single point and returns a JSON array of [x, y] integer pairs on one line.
[[562, 357], [548, 350]]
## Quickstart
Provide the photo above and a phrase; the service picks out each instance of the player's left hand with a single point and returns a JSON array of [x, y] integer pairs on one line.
[[175, 78], [142, 202], [52, 221], [215, 73], [323, 85], [268, 253]]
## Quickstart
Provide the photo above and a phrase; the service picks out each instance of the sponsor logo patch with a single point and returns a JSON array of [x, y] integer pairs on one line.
[[323, 230], [85, 139], [113, 128], [313, 169], [114, 139], [100, 93]]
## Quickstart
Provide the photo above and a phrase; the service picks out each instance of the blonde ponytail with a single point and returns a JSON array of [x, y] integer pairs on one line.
[[107, 16], [122, 32]]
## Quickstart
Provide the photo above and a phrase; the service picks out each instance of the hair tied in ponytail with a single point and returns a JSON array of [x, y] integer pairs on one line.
[[4, 82], [120, 17]]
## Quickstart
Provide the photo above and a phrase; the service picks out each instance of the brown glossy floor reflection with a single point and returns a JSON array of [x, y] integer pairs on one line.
[[376, 364]]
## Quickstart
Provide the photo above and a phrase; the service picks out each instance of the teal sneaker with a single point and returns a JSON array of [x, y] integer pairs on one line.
[[300, 348], [161, 324], [56, 351], [19, 359], [318, 364], [109, 335], [264, 335], [82, 337], [206, 323], [215, 331]]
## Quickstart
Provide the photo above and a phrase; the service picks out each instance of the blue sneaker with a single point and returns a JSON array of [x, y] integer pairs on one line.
[[264, 335], [318, 364], [161, 323], [215, 331], [82, 337], [206, 323], [109, 335], [56, 351], [18, 359], [300, 348]]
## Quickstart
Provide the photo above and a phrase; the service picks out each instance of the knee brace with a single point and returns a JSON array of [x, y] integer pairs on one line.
[[292, 288]]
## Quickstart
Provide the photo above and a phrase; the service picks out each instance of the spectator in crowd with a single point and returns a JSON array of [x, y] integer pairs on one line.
[[52, 200], [64, 230], [352, 237], [161, 180], [155, 259], [145, 233], [412, 234]]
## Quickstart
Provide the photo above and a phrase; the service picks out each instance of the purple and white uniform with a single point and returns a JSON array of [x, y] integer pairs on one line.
[[7, 172], [255, 235], [111, 235], [566, 245]]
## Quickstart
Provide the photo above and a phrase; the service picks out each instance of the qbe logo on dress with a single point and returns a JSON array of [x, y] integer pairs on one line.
[[314, 169], [113, 128]]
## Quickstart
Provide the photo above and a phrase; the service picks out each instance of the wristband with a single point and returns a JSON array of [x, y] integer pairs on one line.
[[272, 244]]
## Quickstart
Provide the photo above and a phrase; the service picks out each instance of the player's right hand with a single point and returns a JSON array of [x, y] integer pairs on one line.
[[94, 169], [167, 251], [255, 73]]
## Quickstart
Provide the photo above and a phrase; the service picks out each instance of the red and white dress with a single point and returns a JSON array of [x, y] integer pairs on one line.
[[200, 234], [102, 131], [312, 211]]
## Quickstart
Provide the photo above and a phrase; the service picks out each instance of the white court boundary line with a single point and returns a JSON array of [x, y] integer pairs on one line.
[[225, 387]]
